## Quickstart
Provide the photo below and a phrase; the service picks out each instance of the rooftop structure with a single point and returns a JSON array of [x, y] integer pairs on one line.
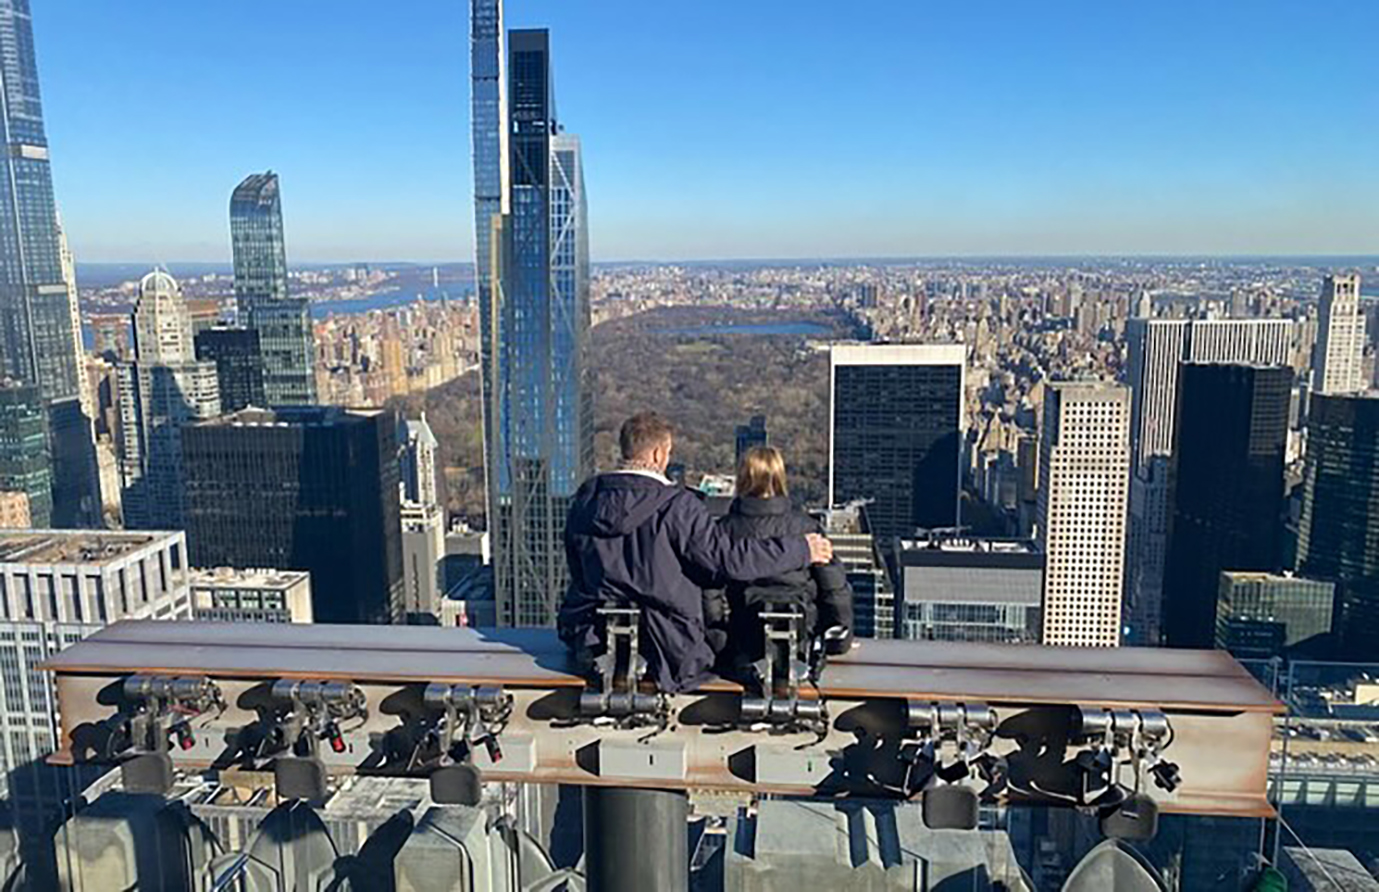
[[251, 595]]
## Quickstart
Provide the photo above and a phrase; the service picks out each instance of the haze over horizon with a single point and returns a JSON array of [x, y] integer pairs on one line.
[[1172, 130]]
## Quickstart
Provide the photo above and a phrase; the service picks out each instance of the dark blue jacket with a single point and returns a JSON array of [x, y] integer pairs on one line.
[[631, 539]]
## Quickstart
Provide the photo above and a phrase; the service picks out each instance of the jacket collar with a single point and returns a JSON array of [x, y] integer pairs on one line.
[[751, 506]]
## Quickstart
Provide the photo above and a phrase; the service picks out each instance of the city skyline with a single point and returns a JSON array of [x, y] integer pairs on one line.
[[1222, 138]]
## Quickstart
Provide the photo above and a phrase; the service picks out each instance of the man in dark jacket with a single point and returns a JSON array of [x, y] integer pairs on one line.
[[634, 538]]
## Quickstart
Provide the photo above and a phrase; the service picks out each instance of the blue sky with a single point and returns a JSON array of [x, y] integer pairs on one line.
[[732, 128]]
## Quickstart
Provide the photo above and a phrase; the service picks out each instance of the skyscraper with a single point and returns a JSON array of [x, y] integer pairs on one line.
[[1084, 477], [1157, 348], [1262, 615], [418, 462], [532, 218], [35, 318], [303, 488], [1227, 489], [895, 436], [751, 434], [161, 392], [282, 322], [1338, 364], [40, 343], [1340, 513], [238, 365]]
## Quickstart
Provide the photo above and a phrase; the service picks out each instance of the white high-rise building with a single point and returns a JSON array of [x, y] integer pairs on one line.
[[1158, 347], [55, 589], [1085, 479], [418, 462], [160, 392], [1337, 367]]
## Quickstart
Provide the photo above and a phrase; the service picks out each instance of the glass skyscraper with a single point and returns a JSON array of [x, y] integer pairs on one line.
[[282, 322], [1227, 488], [532, 272], [35, 318], [1340, 513]]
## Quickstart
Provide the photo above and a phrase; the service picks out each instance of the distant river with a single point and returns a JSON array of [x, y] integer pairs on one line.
[[320, 309], [800, 329]]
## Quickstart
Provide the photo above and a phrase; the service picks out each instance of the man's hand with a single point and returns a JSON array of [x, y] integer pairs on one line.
[[820, 549]]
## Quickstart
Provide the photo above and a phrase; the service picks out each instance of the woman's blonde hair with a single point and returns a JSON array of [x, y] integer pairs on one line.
[[762, 473]]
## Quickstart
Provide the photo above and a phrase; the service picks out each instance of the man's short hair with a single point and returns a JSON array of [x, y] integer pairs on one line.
[[643, 432]]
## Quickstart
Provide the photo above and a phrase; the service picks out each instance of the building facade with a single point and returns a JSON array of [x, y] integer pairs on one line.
[[225, 594], [538, 400], [26, 463], [14, 511], [1340, 514], [873, 597], [418, 462], [1264, 615], [1157, 349], [1227, 489], [160, 393], [302, 488], [55, 589], [283, 322], [1338, 366], [238, 365], [1084, 479], [896, 433], [959, 589]]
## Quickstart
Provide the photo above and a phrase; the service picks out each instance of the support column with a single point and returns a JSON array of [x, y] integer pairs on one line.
[[636, 840]]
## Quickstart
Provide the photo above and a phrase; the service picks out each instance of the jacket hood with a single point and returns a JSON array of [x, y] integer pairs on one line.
[[615, 504]]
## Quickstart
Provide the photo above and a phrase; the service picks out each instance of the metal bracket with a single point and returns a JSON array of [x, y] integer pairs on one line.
[[779, 675], [311, 711], [949, 740], [458, 712], [1137, 737], [619, 699], [163, 708]]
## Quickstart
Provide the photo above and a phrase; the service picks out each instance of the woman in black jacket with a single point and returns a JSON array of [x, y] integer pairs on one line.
[[762, 510]]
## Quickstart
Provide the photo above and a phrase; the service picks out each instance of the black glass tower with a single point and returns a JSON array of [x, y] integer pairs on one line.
[[238, 365], [1226, 484], [283, 322], [896, 434], [303, 488], [750, 435], [1338, 535]]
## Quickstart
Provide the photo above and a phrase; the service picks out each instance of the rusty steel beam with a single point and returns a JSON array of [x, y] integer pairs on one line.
[[410, 700]]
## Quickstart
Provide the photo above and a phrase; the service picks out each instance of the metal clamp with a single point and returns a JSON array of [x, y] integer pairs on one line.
[[949, 740], [779, 674], [162, 710], [619, 699], [1134, 737], [312, 711], [460, 710]]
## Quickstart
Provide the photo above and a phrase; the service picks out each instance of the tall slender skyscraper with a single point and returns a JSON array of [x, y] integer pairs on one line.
[[35, 319], [282, 321], [1227, 489], [1340, 513], [1158, 348], [1084, 475], [1338, 363], [531, 231], [896, 433], [39, 339]]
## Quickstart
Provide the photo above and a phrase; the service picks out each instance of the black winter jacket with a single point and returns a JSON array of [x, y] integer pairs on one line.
[[822, 590], [631, 539]]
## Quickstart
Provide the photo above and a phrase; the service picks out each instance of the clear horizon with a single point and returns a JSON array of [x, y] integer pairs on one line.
[[1176, 130]]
